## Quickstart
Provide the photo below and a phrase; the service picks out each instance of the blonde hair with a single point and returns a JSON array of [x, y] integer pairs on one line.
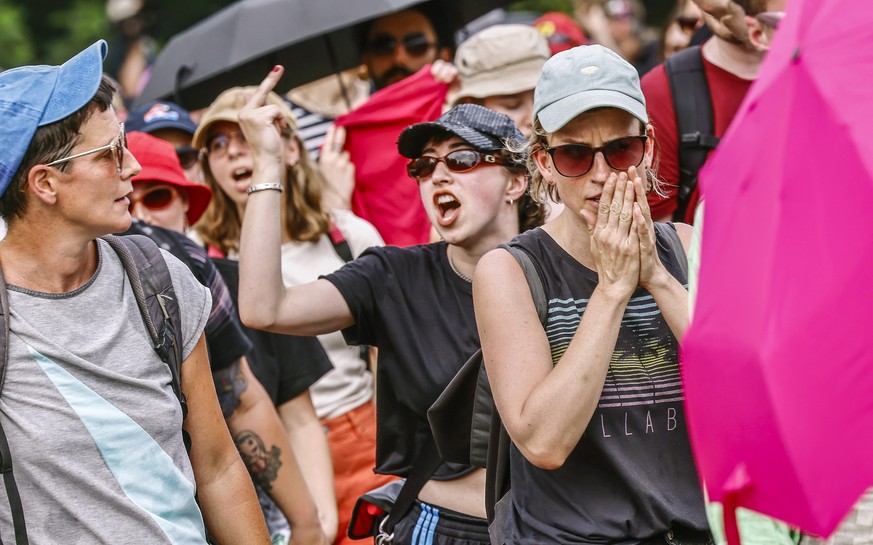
[[304, 219]]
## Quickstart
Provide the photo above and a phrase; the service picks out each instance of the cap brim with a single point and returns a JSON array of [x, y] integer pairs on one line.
[[557, 114], [199, 139], [78, 80], [413, 139], [150, 128]]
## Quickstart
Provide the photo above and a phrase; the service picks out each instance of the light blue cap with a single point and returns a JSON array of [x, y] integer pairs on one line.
[[33, 96], [584, 78]]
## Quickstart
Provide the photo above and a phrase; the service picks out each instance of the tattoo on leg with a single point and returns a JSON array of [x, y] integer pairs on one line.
[[263, 465]]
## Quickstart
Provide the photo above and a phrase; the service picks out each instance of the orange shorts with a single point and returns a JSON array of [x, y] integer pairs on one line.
[[352, 440]]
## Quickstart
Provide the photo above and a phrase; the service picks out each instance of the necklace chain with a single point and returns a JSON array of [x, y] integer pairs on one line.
[[459, 273]]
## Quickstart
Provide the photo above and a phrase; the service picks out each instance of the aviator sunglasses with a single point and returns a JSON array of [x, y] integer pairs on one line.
[[574, 160], [460, 160], [416, 44], [156, 198]]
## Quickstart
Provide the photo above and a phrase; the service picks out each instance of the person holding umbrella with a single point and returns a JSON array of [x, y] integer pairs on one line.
[[414, 304], [592, 400]]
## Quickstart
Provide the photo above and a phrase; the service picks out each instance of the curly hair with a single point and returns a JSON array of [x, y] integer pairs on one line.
[[304, 219]]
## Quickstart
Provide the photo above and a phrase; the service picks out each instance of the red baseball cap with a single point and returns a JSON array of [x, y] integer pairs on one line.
[[160, 164]]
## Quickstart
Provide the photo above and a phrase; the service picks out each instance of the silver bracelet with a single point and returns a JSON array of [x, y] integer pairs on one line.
[[263, 187]]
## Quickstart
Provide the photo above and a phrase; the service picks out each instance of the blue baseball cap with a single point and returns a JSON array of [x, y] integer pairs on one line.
[[33, 96], [157, 115]]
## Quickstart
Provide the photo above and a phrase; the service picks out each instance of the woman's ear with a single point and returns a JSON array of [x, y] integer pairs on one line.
[[515, 189], [292, 151], [649, 157], [543, 161]]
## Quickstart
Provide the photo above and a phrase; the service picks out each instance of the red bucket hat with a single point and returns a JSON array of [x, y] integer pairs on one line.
[[160, 164]]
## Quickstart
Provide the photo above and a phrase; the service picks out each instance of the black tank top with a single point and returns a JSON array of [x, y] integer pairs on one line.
[[631, 476]]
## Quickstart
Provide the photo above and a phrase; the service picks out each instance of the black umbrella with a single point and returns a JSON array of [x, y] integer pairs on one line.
[[311, 38]]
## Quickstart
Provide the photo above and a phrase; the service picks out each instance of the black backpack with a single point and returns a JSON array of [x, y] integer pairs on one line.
[[151, 283], [694, 120], [467, 428]]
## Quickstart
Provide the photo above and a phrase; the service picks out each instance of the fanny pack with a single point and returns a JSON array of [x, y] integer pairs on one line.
[[377, 512], [372, 508]]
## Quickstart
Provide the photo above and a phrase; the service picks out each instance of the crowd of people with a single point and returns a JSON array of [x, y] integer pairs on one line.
[[330, 323]]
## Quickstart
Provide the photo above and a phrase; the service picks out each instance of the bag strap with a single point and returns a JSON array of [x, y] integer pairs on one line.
[[534, 280], [675, 244], [427, 461], [694, 119], [18, 524], [155, 295], [340, 244]]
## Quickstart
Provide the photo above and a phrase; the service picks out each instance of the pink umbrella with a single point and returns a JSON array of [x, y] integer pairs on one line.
[[779, 371]]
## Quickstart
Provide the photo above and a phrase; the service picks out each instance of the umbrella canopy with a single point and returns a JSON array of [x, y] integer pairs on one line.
[[242, 42], [779, 367]]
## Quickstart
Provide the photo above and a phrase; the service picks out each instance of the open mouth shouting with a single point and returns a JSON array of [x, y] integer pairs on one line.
[[242, 177], [448, 207]]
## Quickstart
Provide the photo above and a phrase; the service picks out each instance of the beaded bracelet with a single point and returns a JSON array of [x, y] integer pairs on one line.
[[263, 187]]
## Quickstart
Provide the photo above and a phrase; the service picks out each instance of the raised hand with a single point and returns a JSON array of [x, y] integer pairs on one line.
[[262, 122], [337, 168], [615, 243]]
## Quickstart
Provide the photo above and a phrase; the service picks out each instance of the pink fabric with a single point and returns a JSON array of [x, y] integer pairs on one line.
[[384, 194], [778, 357]]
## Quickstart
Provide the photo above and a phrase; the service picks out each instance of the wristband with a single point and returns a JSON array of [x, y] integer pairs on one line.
[[264, 187]]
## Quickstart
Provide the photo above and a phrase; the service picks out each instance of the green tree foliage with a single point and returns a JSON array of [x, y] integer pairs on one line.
[[15, 44]]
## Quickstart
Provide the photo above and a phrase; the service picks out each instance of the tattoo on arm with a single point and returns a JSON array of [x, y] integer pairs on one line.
[[263, 465], [230, 383]]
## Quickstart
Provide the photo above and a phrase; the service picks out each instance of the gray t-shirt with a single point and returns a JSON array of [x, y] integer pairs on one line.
[[92, 422]]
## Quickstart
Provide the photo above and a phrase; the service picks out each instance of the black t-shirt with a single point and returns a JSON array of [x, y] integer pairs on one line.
[[632, 475], [286, 365], [411, 305], [225, 339]]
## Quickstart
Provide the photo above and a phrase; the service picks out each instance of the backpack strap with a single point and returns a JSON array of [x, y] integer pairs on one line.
[[5, 454], [152, 285], [497, 483], [694, 119], [534, 280], [340, 244], [674, 243]]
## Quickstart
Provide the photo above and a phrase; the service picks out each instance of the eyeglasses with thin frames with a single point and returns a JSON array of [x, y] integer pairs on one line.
[[118, 145]]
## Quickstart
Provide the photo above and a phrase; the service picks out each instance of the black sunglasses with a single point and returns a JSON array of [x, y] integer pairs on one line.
[[416, 44], [574, 160], [460, 160], [187, 156], [687, 23]]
